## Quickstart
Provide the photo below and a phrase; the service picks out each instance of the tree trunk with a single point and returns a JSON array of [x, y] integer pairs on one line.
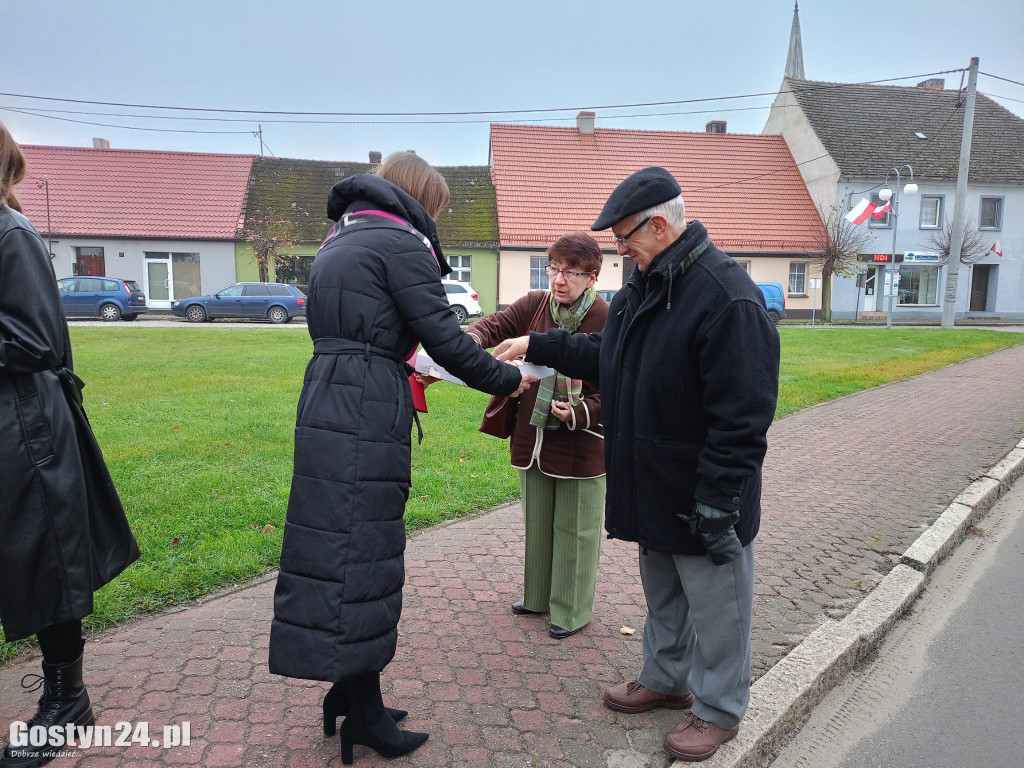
[[826, 295], [264, 274]]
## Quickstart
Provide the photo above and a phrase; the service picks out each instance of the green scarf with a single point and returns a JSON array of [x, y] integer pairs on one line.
[[570, 318]]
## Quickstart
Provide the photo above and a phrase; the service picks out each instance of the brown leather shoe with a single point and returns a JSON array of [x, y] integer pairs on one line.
[[694, 739], [632, 698]]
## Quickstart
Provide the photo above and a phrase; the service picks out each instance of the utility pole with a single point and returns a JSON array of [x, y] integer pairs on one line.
[[957, 241], [259, 134], [45, 184]]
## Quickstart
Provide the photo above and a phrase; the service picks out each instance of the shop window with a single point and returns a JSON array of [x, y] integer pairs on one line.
[[918, 285]]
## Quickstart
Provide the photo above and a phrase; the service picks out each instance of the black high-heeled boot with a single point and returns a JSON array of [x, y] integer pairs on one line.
[[368, 723], [64, 701], [336, 705]]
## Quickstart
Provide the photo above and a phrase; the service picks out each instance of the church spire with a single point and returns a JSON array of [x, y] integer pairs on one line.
[[795, 59]]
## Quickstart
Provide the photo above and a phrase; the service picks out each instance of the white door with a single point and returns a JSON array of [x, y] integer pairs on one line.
[[870, 289], [158, 283]]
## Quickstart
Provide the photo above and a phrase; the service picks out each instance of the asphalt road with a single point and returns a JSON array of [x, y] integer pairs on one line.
[[945, 690]]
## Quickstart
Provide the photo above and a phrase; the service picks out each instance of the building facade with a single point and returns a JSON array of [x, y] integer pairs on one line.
[[166, 220], [554, 180], [292, 194], [847, 137]]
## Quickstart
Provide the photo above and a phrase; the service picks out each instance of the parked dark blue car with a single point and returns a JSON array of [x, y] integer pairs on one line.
[[107, 298], [774, 299], [276, 302]]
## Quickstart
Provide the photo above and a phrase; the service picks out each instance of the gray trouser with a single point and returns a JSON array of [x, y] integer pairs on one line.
[[697, 635]]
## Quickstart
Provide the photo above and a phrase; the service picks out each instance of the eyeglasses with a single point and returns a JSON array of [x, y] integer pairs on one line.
[[622, 240], [566, 273]]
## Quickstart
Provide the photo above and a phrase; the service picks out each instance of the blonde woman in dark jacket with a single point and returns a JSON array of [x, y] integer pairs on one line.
[[374, 293]]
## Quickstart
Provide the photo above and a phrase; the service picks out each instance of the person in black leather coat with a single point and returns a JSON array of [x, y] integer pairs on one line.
[[63, 531]]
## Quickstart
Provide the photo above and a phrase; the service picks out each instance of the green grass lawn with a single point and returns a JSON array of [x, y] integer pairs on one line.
[[196, 425]]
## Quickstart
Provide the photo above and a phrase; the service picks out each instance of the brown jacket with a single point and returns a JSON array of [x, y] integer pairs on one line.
[[576, 448]]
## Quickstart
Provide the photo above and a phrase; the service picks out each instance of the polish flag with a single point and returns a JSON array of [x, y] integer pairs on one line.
[[865, 209], [880, 212], [996, 248]]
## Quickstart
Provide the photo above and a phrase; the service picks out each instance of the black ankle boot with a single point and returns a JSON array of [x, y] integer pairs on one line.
[[368, 723], [64, 701], [336, 705], [382, 736]]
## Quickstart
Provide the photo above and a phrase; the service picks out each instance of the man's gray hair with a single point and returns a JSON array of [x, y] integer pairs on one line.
[[673, 210]]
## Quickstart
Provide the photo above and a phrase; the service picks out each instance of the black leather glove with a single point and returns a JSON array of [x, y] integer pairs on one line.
[[717, 534]]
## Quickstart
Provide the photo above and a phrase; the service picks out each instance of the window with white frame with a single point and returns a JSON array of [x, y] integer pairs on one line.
[[797, 278], [745, 265], [931, 212], [885, 222], [462, 267], [991, 213], [538, 277]]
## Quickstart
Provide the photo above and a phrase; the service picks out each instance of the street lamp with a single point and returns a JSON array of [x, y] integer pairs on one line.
[[887, 194]]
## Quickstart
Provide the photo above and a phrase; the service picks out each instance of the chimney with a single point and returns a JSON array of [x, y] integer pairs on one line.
[[100, 144], [585, 121], [937, 83], [715, 126], [411, 151], [375, 158]]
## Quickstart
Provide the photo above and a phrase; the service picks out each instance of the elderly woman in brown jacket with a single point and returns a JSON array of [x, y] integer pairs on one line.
[[558, 443]]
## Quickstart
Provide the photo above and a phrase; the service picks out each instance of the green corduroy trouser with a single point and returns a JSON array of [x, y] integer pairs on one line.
[[563, 545]]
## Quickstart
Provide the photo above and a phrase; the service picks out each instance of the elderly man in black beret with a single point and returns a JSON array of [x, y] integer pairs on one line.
[[688, 364]]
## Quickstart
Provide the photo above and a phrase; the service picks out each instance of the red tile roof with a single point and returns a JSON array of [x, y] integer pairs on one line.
[[135, 193], [746, 189]]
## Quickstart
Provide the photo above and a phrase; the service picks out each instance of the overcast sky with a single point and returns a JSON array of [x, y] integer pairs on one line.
[[459, 55]]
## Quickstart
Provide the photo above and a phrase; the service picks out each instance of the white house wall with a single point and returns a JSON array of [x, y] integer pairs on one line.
[[819, 170], [216, 258]]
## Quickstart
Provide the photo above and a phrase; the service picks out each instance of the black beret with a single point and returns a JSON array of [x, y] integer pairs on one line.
[[644, 189]]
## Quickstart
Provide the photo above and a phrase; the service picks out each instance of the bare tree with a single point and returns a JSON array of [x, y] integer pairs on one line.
[[839, 243], [971, 251], [269, 240]]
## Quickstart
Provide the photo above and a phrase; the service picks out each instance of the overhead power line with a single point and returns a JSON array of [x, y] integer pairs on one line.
[[112, 125], [452, 113], [731, 182], [1004, 79], [997, 96], [47, 112]]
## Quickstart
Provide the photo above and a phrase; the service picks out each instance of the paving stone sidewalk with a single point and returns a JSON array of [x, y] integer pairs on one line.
[[848, 486]]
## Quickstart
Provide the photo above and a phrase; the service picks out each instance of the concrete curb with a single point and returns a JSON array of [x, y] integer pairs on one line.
[[782, 698]]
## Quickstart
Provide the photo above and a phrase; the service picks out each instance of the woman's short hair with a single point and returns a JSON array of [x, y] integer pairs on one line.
[[417, 177], [12, 168], [579, 250]]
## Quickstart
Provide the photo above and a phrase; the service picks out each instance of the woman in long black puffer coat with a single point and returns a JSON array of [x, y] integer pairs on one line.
[[374, 292]]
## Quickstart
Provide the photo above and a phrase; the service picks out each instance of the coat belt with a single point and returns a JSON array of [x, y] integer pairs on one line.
[[334, 345]]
